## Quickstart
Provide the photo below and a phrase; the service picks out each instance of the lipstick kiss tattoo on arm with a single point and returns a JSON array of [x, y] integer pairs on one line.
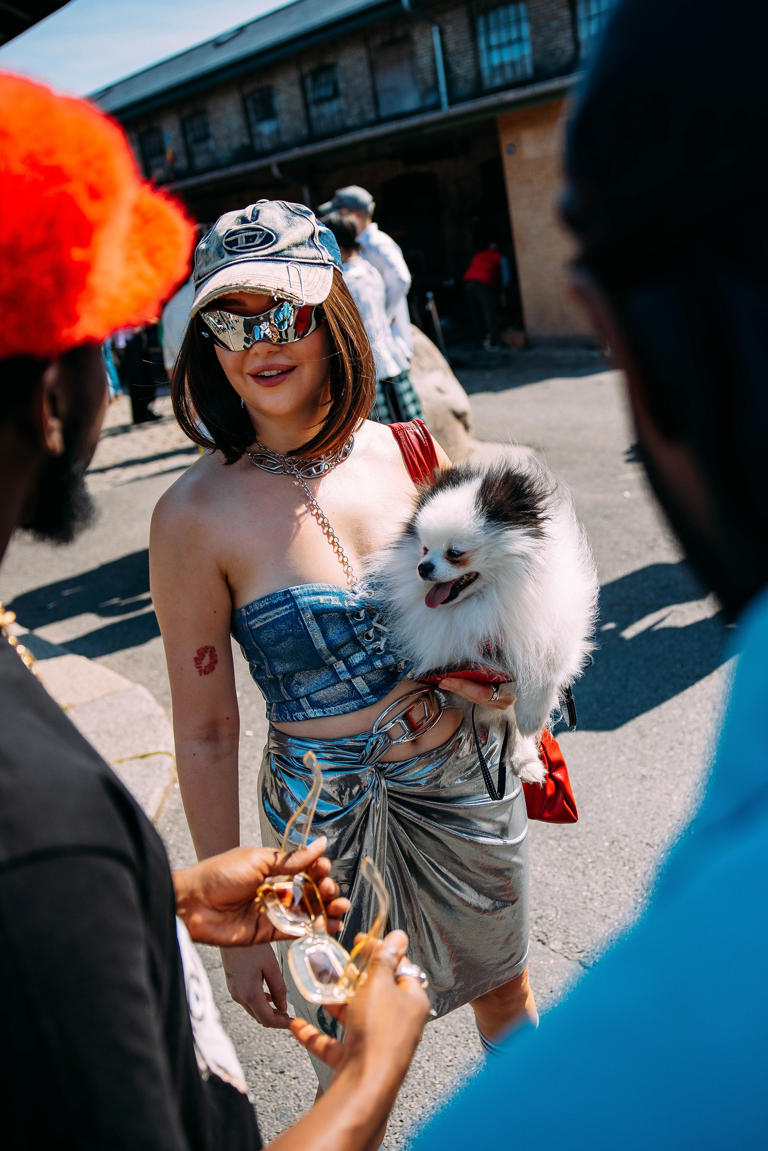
[[205, 660]]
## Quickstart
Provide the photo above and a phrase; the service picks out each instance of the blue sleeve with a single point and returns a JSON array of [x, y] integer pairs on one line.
[[662, 1043]]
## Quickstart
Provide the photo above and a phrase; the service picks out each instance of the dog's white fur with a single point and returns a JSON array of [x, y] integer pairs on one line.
[[534, 598]]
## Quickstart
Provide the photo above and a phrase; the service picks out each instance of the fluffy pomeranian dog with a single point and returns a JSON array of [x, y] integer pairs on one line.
[[494, 569]]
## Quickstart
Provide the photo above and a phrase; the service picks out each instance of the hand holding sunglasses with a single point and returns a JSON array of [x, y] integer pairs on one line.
[[382, 1024], [323, 970], [327, 973], [215, 898]]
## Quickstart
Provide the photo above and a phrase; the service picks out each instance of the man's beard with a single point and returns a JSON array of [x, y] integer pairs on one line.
[[60, 505]]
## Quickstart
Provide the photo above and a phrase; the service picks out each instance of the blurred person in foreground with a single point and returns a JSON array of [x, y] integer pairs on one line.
[[99, 1048], [662, 1044]]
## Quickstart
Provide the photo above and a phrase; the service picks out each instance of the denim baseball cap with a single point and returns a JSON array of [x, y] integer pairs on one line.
[[353, 198], [273, 247]]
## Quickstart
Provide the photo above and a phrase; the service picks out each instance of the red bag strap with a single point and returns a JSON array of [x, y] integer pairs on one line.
[[418, 449]]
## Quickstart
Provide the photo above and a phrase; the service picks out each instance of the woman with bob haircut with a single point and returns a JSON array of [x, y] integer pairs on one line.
[[264, 538]]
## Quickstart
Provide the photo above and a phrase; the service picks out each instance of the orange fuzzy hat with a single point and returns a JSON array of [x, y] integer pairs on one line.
[[86, 245]]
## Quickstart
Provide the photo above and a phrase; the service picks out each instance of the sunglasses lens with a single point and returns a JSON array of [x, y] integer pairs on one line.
[[292, 904], [318, 965], [283, 324], [289, 322]]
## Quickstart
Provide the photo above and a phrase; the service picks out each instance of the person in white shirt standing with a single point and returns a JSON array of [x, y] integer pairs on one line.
[[356, 205], [367, 289]]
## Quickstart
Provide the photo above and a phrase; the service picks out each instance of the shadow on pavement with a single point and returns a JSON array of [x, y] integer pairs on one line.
[[133, 461], [641, 660], [117, 591], [494, 371], [128, 426]]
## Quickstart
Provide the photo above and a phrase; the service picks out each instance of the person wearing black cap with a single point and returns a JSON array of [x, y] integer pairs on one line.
[[662, 1043]]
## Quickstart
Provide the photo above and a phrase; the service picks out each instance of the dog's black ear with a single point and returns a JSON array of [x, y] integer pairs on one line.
[[444, 480], [507, 496]]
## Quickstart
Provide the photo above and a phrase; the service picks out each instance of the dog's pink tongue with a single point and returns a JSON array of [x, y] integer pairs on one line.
[[438, 594]]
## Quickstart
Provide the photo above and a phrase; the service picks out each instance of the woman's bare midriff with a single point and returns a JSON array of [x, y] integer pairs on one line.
[[356, 722]]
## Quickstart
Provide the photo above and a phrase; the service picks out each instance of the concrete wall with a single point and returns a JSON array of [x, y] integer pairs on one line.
[[531, 146]]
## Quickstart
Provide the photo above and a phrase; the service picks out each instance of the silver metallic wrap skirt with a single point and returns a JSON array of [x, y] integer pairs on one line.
[[454, 861]]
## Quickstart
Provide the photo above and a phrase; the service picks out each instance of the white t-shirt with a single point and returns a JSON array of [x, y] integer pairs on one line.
[[385, 255], [367, 290]]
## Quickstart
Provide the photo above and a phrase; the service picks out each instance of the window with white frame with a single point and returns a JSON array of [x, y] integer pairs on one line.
[[324, 102], [261, 109], [591, 16], [504, 45]]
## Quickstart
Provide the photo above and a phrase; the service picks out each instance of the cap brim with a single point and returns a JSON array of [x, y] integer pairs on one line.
[[299, 283]]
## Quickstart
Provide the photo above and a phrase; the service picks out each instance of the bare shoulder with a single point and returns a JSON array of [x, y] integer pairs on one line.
[[196, 498], [377, 440]]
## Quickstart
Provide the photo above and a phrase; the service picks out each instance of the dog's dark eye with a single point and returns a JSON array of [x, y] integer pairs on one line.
[[453, 554], [424, 551]]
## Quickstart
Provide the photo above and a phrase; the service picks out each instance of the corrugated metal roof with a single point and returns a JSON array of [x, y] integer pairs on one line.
[[258, 36]]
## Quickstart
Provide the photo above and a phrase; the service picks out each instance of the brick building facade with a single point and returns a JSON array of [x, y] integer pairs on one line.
[[450, 112]]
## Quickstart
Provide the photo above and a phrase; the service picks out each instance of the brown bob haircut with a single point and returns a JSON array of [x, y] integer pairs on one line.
[[202, 393]]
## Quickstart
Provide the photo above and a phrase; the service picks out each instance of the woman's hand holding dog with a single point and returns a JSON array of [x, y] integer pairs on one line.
[[500, 696]]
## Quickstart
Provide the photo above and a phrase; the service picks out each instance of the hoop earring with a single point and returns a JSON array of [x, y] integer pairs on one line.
[[242, 403]]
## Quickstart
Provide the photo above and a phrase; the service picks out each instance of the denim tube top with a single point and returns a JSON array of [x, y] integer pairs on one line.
[[315, 650]]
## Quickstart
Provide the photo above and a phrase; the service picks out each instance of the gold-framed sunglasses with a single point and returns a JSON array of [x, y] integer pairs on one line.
[[323, 970], [292, 903]]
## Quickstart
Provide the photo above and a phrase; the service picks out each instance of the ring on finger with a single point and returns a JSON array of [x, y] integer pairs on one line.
[[406, 969], [494, 693]]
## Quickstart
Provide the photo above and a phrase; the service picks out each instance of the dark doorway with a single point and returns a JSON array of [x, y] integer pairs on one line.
[[409, 208]]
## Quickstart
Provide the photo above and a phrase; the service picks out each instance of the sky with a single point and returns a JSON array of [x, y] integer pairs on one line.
[[91, 43]]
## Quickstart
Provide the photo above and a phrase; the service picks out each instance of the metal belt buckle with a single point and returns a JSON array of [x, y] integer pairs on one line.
[[414, 713]]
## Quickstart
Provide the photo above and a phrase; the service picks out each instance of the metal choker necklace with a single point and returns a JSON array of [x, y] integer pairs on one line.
[[301, 469]]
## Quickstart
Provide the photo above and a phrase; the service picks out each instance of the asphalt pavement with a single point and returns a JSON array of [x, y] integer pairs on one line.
[[648, 707]]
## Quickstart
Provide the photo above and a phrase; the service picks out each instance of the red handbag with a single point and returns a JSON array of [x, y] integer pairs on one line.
[[551, 801]]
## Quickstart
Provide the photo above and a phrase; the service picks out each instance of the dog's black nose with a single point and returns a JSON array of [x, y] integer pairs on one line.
[[426, 569]]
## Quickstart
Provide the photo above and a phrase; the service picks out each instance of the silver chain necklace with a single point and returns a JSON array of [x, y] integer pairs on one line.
[[301, 469]]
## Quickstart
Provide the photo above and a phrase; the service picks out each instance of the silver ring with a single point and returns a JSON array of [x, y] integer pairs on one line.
[[406, 969], [494, 693]]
